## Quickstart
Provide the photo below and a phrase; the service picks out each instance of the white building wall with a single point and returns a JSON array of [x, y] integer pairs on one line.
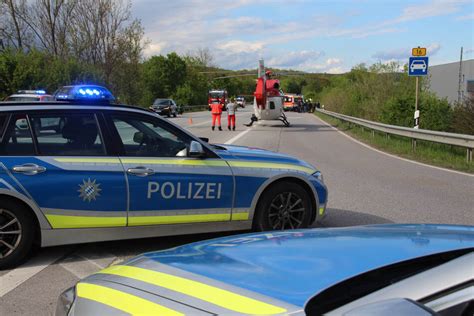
[[444, 79]]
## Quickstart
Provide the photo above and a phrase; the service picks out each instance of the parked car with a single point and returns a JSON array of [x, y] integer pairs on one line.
[[240, 101], [165, 107], [34, 96], [377, 270], [30, 95]]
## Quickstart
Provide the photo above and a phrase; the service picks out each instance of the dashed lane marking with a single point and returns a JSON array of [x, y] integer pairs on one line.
[[236, 137]]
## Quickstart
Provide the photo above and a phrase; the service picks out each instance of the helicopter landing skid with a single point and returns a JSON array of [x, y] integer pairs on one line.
[[284, 120]]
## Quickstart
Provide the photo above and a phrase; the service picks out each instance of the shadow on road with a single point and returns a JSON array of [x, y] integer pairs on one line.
[[125, 249], [339, 218]]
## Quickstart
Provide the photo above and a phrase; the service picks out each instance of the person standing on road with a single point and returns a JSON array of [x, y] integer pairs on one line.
[[216, 111], [231, 108]]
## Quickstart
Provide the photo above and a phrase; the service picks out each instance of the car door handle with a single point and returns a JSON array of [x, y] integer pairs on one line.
[[141, 171], [29, 169]]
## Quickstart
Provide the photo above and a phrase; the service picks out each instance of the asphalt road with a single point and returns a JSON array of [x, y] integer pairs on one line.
[[365, 187]]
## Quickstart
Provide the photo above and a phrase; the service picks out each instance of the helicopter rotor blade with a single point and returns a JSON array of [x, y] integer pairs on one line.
[[235, 76]]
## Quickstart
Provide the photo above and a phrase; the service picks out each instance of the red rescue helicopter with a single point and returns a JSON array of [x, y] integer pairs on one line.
[[268, 97]]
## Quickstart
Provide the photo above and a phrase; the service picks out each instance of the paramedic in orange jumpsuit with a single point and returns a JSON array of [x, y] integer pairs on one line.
[[216, 110]]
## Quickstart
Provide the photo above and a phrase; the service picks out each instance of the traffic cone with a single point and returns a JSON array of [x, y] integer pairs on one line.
[[190, 121]]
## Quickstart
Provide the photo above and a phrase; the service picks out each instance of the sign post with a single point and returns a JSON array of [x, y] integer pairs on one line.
[[417, 66]]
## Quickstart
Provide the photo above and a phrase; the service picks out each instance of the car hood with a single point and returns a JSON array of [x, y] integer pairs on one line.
[[253, 154], [292, 266]]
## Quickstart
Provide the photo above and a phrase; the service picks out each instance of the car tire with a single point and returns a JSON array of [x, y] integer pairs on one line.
[[14, 248], [284, 205], [175, 114], [168, 114]]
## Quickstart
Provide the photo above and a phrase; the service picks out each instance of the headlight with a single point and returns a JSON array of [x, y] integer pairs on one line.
[[318, 175], [65, 301]]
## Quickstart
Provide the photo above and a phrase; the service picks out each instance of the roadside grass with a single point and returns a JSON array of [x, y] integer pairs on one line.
[[440, 155]]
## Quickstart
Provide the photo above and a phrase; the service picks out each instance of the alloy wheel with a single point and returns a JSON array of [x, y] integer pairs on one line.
[[286, 211], [10, 233]]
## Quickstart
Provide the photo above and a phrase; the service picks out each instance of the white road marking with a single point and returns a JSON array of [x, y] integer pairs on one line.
[[16, 277], [83, 264], [236, 137], [394, 156]]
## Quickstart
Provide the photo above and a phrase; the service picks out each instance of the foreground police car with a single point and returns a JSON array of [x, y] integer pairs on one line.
[[107, 172], [365, 270]]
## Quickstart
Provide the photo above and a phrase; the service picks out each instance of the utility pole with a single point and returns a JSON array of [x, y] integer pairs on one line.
[[460, 92]]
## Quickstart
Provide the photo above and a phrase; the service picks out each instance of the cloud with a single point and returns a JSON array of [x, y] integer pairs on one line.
[[393, 54], [294, 59], [432, 49], [154, 48], [398, 54], [465, 17], [469, 51], [238, 46], [431, 9]]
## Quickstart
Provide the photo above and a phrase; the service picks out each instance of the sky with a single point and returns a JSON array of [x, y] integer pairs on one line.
[[308, 35]]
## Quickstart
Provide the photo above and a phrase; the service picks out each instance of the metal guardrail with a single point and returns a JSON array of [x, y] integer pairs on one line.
[[462, 140]]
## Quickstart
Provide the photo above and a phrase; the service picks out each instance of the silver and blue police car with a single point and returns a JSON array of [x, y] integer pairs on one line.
[[82, 169], [378, 270]]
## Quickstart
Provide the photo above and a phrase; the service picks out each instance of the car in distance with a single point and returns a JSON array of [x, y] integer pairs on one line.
[[165, 107], [403, 269], [34, 96], [30, 95], [418, 65], [115, 172], [240, 101]]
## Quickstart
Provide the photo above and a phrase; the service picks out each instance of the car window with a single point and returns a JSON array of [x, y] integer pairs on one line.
[[147, 136], [17, 140], [68, 135]]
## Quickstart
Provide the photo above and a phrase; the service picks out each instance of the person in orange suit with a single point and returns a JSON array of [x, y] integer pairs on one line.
[[216, 111]]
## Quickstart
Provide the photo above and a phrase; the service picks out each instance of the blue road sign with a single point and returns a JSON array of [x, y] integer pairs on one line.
[[418, 66]]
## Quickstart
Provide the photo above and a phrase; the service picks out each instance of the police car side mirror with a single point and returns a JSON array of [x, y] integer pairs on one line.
[[196, 150]]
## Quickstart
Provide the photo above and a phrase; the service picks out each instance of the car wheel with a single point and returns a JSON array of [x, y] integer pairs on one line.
[[17, 231], [168, 114], [175, 114], [284, 205]]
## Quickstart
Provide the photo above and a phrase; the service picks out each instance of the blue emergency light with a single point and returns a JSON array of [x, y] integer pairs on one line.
[[84, 93]]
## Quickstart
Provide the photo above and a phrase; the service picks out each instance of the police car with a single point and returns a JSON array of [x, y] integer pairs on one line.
[[108, 172], [377, 270]]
